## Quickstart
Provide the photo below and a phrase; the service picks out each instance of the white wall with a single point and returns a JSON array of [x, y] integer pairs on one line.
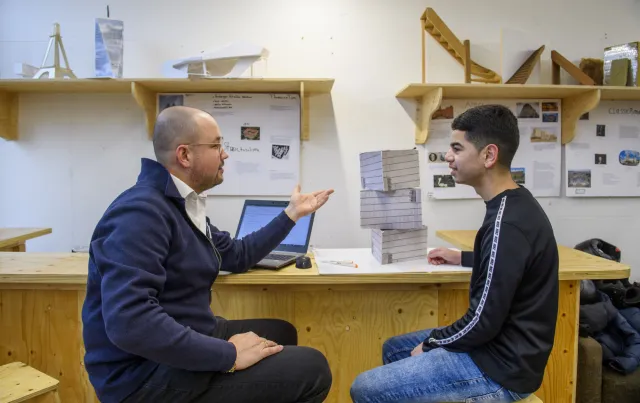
[[77, 152]]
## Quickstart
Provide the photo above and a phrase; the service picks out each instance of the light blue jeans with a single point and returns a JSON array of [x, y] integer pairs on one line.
[[434, 376]]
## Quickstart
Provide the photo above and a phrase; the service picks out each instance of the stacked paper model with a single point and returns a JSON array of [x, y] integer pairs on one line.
[[391, 205]]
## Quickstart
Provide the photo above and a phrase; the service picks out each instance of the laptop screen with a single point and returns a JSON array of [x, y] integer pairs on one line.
[[257, 214]]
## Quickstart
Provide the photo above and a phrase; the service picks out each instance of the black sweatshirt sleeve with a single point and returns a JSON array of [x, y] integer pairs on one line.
[[467, 259], [505, 252]]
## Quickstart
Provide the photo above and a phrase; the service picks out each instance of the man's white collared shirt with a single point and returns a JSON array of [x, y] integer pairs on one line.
[[196, 204]]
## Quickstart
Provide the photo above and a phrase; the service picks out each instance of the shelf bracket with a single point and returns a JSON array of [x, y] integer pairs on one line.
[[146, 99], [304, 113], [572, 108], [427, 105], [9, 115]]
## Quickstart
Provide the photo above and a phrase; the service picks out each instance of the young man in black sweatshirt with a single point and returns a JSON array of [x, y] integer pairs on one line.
[[499, 349]]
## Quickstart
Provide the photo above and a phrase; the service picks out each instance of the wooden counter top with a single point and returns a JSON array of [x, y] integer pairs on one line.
[[13, 236], [52, 270], [574, 264]]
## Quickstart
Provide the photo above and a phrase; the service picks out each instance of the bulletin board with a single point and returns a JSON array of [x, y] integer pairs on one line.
[[261, 134], [603, 158], [536, 165]]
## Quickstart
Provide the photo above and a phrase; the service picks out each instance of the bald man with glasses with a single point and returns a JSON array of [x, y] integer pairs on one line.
[[148, 329]]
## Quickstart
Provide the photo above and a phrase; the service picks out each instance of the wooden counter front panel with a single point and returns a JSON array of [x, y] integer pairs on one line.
[[347, 324], [43, 329]]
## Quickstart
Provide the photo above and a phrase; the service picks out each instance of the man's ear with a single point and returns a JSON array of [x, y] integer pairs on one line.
[[490, 156], [183, 157]]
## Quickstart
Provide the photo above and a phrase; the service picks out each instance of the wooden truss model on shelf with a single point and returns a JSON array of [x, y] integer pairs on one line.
[[460, 51]]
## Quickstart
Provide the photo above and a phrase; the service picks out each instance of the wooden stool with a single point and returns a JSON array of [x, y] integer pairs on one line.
[[20, 383], [532, 399]]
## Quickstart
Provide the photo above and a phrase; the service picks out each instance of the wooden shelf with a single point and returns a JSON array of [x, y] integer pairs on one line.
[[576, 100], [145, 90]]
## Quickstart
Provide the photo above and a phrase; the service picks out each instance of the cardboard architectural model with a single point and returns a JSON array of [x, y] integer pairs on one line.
[[391, 205]]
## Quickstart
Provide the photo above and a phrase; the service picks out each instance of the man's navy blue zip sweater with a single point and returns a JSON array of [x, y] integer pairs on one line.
[[148, 289]]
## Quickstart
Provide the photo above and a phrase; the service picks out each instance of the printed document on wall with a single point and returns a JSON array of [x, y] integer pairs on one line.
[[536, 164], [603, 160], [261, 134]]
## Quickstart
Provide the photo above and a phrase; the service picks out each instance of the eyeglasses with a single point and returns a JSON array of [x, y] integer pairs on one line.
[[217, 146]]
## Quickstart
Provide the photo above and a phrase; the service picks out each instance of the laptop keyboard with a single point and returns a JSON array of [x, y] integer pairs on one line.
[[273, 256]]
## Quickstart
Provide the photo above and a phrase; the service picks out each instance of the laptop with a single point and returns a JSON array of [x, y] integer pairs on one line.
[[258, 213]]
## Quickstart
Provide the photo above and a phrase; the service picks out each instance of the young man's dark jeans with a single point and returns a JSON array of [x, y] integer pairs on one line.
[[296, 374]]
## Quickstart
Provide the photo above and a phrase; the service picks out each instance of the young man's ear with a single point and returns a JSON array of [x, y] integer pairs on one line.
[[490, 156]]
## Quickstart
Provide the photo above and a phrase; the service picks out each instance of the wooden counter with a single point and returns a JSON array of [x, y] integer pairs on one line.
[[14, 239], [345, 317]]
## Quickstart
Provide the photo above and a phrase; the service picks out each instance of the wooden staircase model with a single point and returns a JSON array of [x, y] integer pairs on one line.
[[431, 23]]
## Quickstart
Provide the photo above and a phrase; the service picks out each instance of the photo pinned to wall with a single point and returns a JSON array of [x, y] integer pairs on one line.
[[630, 158], [249, 133], [517, 174], [550, 117], [528, 110], [550, 107], [600, 159], [579, 178], [280, 151], [443, 181], [544, 135], [445, 112], [600, 130], [584, 116], [437, 157], [168, 100]]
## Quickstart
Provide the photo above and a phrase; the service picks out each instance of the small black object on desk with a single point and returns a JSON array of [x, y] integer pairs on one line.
[[303, 262]]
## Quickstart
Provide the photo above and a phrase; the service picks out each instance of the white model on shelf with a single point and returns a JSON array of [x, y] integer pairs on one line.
[[230, 61]]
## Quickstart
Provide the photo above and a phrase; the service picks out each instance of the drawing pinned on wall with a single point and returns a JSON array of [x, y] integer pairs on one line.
[[539, 154], [544, 135], [444, 112], [280, 151], [518, 175], [443, 181], [168, 100], [261, 137], [607, 144], [630, 158], [579, 178], [249, 133], [528, 110], [437, 157]]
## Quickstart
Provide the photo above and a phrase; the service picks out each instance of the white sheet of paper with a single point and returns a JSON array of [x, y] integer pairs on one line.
[[367, 264]]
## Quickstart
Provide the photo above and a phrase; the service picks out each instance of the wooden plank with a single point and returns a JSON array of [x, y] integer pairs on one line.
[[572, 108], [88, 85], [20, 382], [558, 60], [427, 105], [348, 327], [9, 111], [452, 305], [15, 236], [560, 377], [42, 328], [574, 264], [146, 99]]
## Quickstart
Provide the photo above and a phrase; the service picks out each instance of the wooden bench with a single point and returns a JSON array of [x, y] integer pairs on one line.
[[20, 383]]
